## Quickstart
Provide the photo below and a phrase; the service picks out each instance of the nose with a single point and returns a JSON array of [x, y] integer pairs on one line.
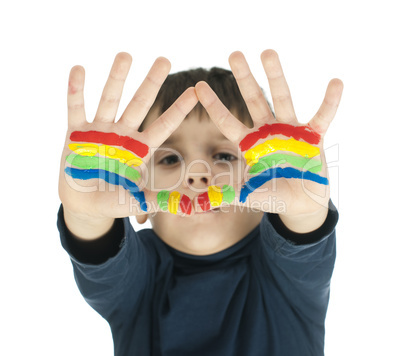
[[198, 175], [199, 180]]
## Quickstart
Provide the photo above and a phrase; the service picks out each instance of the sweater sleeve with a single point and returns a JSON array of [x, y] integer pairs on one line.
[[106, 269], [301, 265]]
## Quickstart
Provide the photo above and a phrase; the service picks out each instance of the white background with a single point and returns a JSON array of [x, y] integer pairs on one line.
[[42, 312]]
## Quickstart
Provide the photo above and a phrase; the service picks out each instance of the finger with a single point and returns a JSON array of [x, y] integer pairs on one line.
[[113, 89], [250, 90], [229, 125], [325, 114], [170, 120], [75, 97], [280, 93], [146, 94]]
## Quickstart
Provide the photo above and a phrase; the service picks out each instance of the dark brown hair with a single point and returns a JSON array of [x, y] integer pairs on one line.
[[220, 80]]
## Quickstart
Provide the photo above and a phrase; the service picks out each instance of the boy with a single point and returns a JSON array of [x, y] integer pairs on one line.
[[242, 249]]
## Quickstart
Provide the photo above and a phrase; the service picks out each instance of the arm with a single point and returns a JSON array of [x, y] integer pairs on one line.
[[297, 269], [101, 266], [301, 264]]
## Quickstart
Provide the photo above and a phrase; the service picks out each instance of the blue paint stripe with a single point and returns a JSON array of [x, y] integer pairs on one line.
[[278, 172], [111, 178]]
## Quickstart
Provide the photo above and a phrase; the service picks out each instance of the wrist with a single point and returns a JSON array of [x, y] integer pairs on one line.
[[305, 223], [86, 227]]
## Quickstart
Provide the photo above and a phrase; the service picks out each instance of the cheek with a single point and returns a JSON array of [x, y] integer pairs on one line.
[[169, 179], [231, 172]]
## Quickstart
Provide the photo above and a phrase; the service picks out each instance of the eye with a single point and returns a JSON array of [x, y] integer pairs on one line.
[[170, 160], [223, 156]]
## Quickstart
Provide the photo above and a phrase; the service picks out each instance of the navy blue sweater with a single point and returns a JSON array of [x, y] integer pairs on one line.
[[266, 295]]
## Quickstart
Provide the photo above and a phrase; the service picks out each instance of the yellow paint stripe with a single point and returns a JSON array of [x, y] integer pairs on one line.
[[173, 202], [215, 195], [91, 149], [301, 148]]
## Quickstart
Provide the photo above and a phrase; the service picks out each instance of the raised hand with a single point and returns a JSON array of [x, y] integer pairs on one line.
[[285, 158], [114, 151]]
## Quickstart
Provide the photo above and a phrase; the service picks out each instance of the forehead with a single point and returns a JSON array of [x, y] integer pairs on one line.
[[198, 113], [196, 128]]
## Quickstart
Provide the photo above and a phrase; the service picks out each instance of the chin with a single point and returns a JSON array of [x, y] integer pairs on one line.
[[206, 232]]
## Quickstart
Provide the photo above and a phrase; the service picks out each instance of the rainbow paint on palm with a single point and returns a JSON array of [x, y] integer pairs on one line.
[[91, 149], [111, 178], [216, 196], [107, 164], [297, 151], [291, 145], [172, 201], [109, 138], [308, 164], [297, 132], [278, 172], [95, 157]]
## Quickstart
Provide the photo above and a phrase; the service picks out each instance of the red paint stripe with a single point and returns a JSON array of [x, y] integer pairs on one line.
[[185, 204], [297, 132], [110, 138], [203, 201]]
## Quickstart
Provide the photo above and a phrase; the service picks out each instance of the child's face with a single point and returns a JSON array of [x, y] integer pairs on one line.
[[196, 156]]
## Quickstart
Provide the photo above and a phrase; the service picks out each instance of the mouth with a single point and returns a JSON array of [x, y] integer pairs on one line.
[[214, 210]]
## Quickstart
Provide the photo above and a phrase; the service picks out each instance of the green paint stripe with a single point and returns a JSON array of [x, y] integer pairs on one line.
[[308, 164], [163, 198], [107, 164], [228, 194]]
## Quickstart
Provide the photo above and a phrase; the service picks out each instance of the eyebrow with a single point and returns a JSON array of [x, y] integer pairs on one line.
[[169, 141]]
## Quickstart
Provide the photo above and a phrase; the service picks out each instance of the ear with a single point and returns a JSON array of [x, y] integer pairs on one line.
[[141, 219]]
